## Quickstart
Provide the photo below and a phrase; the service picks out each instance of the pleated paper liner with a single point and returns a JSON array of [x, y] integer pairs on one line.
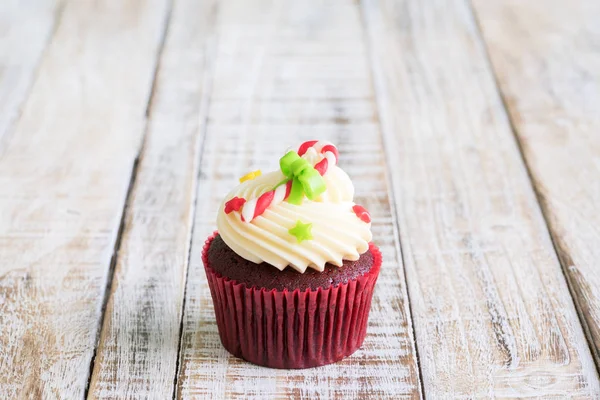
[[292, 329]]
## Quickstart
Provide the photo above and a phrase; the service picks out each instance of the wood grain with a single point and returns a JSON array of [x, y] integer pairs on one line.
[[29, 22], [551, 83], [287, 72], [492, 311], [64, 175], [138, 348]]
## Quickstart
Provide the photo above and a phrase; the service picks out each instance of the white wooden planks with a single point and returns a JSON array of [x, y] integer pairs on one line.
[[64, 175], [284, 73], [547, 61], [492, 312], [138, 348], [493, 315], [25, 30]]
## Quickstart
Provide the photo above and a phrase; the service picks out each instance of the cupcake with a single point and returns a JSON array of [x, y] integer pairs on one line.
[[291, 269]]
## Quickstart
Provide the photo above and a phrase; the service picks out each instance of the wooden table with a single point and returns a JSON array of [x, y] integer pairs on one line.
[[471, 131]]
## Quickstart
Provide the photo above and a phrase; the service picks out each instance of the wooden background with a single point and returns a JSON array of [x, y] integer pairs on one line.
[[471, 130]]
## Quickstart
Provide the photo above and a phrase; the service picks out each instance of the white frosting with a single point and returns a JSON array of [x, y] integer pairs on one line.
[[338, 234]]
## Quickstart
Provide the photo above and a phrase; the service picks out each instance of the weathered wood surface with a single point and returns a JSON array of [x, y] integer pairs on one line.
[[284, 73], [137, 353], [491, 308], [239, 81], [64, 174], [25, 29], [547, 61]]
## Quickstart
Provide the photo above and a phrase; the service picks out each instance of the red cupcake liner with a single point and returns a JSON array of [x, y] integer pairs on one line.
[[292, 329]]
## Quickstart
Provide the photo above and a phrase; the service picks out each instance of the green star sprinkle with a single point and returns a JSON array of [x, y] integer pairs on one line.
[[301, 231]]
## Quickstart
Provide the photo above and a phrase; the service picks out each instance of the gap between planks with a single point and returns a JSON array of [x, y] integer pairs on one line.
[[132, 179], [577, 266], [172, 146], [111, 270], [535, 188], [386, 364], [74, 255], [201, 148], [505, 316], [393, 200]]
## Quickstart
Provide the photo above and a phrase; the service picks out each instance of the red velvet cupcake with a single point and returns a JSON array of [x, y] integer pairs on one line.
[[291, 269]]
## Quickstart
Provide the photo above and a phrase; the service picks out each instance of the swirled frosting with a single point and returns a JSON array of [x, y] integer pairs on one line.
[[337, 232]]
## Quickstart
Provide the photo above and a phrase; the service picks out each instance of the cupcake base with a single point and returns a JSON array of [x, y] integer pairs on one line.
[[292, 329], [224, 261]]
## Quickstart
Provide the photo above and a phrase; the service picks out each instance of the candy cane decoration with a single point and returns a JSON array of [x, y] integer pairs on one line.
[[328, 150], [256, 207]]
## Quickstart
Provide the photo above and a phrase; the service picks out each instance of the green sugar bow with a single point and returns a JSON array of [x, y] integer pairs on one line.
[[306, 180]]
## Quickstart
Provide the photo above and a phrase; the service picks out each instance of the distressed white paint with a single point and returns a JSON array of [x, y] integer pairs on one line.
[[492, 312], [285, 73], [64, 175], [138, 348], [547, 60], [25, 30]]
